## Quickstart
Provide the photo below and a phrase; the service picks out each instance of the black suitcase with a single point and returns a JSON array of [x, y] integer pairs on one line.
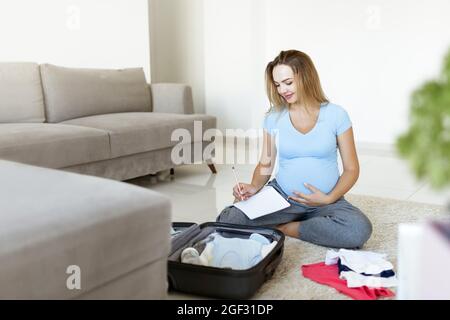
[[218, 282]]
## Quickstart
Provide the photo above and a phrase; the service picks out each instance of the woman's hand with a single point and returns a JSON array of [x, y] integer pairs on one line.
[[245, 192], [316, 199]]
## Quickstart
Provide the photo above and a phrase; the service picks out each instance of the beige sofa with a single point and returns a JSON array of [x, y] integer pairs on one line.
[[117, 235], [105, 123]]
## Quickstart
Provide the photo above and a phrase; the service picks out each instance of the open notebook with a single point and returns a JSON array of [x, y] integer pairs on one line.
[[266, 201]]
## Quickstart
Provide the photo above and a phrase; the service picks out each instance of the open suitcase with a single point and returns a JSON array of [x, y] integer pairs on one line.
[[219, 282]]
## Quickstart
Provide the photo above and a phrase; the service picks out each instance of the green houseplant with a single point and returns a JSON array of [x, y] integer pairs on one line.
[[426, 143]]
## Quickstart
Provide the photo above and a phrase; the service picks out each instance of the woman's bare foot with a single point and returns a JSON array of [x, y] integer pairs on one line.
[[290, 229]]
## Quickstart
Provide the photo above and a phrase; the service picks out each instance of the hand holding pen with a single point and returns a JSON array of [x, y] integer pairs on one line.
[[242, 191]]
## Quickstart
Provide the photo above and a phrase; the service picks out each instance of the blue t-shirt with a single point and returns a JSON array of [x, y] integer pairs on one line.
[[310, 157]]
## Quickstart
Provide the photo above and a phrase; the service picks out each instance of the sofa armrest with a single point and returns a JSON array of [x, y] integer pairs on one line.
[[171, 98]]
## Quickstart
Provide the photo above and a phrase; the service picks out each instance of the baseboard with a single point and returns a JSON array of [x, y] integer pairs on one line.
[[363, 148], [376, 149]]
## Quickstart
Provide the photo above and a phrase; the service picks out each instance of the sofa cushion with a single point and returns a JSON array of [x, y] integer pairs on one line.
[[21, 98], [52, 145], [134, 132], [73, 93], [55, 219]]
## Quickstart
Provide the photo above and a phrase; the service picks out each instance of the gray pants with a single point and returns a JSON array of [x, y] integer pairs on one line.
[[338, 225]]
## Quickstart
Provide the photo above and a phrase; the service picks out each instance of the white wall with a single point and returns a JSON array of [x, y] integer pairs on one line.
[[235, 62], [177, 45], [76, 33], [370, 54]]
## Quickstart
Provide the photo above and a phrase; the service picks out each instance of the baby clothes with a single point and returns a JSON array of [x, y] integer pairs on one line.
[[359, 261], [329, 275], [174, 232], [234, 253], [355, 280], [384, 274], [362, 268]]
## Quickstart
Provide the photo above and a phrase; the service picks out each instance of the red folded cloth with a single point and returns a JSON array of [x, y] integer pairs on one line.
[[329, 275]]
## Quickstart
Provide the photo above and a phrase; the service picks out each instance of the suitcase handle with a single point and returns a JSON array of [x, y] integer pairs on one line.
[[270, 268]]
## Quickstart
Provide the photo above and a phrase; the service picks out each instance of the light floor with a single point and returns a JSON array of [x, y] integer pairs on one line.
[[198, 195]]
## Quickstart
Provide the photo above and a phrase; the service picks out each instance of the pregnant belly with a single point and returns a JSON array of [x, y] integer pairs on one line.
[[293, 173]]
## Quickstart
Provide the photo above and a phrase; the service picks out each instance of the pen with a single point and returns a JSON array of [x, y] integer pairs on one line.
[[237, 182]]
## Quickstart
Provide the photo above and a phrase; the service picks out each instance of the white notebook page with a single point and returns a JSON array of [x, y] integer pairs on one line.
[[266, 201]]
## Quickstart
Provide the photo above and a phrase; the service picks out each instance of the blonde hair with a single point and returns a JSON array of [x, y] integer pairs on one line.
[[309, 90]]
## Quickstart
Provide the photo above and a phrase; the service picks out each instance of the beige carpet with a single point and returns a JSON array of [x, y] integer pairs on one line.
[[385, 214]]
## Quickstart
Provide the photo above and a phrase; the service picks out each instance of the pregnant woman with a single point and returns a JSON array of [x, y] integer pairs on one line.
[[304, 130]]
